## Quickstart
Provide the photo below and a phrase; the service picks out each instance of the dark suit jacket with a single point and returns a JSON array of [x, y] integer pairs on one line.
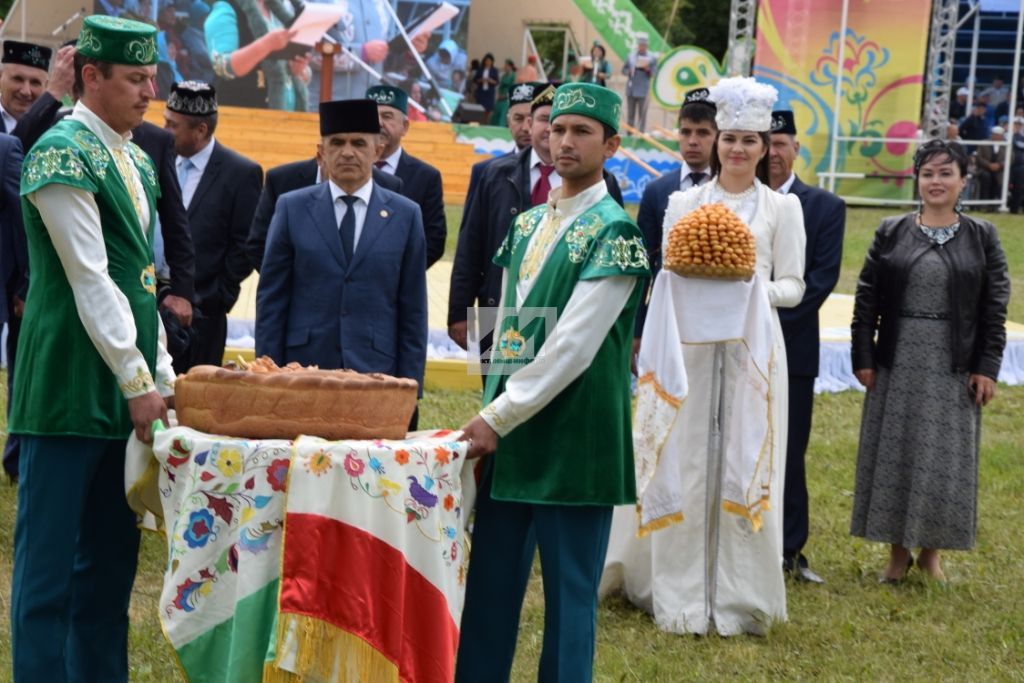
[[422, 184], [824, 223], [649, 218], [315, 307], [159, 145], [502, 193], [219, 216], [13, 247], [285, 178]]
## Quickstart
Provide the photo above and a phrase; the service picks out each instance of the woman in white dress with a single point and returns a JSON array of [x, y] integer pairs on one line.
[[714, 565]]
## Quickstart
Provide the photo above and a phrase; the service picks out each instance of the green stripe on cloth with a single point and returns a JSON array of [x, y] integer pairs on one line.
[[618, 22], [235, 650]]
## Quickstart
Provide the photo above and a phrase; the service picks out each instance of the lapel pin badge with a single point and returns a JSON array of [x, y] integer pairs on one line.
[[383, 213]]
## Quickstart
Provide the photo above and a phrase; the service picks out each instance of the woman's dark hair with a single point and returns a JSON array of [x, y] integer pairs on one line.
[[486, 57], [953, 152], [762, 165], [600, 47]]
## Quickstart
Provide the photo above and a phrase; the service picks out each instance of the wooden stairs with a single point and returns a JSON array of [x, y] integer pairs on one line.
[[272, 138]]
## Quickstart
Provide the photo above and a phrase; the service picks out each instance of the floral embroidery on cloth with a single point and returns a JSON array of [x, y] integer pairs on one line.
[[43, 164]]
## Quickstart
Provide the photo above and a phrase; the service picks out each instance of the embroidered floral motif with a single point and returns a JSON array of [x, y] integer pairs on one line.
[[43, 164], [220, 509], [140, 384], [229, 462], [200, 528], [319, 463], [148, 279], [140, 51], [622, 253], [277, 474], [95, 150], [354, 466], [580, 235], [143, 163], [525, 224]]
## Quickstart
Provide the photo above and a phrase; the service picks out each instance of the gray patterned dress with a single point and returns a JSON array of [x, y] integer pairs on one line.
[[917, 464]]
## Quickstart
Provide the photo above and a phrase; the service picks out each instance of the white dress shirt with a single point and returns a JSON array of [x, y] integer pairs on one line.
[[9, 121], [686, 182], [577, 336], [360, 207], [788, 185], [199, 161], [535, 161], [72, 219], [390, 164]]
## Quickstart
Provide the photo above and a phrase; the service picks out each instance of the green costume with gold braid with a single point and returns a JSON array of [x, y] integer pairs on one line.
[[578, 449], [70, 390]]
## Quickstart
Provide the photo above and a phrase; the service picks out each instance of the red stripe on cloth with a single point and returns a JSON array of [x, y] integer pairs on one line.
[[346, 577]]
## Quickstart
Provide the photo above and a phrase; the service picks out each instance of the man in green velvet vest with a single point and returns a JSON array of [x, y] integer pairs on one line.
[[555, 428], [92, 365]]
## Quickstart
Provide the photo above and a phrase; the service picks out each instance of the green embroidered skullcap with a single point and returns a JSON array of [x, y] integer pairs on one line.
[[117, 41], [590, 100], [391, 96]]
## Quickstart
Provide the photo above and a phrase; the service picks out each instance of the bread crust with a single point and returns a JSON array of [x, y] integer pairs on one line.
[[285, 403]]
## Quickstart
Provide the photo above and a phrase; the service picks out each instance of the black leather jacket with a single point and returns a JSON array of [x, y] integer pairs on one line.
[[979, 292]]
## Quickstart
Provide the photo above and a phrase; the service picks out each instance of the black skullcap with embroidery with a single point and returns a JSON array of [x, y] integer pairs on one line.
[[27, 54], [783, 122], [523, 93], [193, 98], [543, 98]]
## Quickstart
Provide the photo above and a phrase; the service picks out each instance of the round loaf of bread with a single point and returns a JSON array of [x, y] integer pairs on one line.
[[331, 404]]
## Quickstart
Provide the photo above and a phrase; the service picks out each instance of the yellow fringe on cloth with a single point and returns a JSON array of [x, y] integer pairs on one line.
[[271, 674], [327, 653], [655, 524]]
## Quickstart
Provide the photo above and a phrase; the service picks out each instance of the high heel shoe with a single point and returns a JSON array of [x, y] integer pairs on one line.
[[888, 580]]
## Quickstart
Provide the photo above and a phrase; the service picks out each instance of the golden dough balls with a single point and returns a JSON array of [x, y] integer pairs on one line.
[[712, 242]]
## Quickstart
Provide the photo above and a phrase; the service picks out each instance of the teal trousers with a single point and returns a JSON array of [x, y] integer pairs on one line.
[[572, 540], [76, 546]]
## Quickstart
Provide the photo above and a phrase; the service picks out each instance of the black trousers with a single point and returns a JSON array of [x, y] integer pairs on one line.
[[795, 514], [211, 336], [1016, 187], [12, 449]]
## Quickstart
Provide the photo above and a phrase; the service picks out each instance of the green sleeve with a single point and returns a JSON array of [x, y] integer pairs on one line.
[[618, 249], [56, 159]]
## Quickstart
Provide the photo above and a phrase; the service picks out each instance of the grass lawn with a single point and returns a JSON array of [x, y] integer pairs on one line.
[[850, 628]]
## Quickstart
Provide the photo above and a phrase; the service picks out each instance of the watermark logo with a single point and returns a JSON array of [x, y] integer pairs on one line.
[[501, 341]]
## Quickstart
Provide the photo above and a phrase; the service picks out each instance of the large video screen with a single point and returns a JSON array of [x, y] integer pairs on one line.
[[268, 53]]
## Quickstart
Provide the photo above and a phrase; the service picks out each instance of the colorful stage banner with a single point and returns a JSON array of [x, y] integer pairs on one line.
[[881, 84]]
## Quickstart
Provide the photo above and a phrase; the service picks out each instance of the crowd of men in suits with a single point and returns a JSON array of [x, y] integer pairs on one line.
[[342, 241]]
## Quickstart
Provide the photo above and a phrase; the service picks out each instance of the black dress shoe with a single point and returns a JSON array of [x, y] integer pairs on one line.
[[805, 575]]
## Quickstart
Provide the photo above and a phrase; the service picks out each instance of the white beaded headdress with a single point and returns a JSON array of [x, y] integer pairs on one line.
[[743, 104]]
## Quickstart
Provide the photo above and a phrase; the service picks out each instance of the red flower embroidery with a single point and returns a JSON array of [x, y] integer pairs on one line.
[[449, 502], [354, 466], [442, 455], [277, 474], [402, 457]]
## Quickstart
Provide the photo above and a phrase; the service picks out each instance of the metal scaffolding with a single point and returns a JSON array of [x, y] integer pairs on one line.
[[939, 71], [740, 56]]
